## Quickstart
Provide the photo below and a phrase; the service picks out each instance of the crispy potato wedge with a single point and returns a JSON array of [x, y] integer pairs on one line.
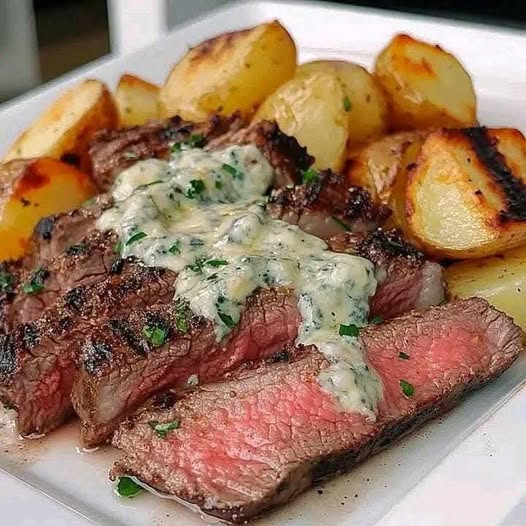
[[233, 71], [364, 100], [377, 165], [137, 101], [32, 189], [426, 86], [67, 126], [466, 195], [310, 108], [500, 279]]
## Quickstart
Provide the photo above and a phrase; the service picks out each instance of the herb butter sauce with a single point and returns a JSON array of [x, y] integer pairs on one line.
[[202, 215]]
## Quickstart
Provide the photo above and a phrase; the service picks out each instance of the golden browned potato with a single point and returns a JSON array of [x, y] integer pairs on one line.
[[67, 126], [426, 86], [137, 100], [32, 189], [233, 71], [309, 107], [376, 166], [500, 279], [466, 195], [364, 100]]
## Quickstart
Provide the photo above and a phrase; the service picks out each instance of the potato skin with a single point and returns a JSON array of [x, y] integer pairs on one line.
[[466, 194], [426, 86], [501, 280], [365, 102], [231, 72], [67, 126], [31, 189], [137, 101], [377, 166], [309, 107]]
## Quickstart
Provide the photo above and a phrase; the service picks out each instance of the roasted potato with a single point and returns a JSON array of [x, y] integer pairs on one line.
[[376, 167], [466, 194], [233, 71], [67, 126], [426, 86], [137, 100], [500, 279], [364, 100], [34, 188], [310, 107]]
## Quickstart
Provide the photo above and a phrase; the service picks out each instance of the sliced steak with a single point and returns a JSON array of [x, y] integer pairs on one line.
[[264, 434], [112, 151], [406, 280], [37, 359], [327, 206], [120, 368]]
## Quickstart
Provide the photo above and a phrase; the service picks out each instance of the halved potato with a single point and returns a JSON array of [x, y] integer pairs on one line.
[[67, 126], [501, 280], [426, 86], [466, 195], [364, 100], [310, 108], [32, 189], [376, 167], [137, 100], [233, 71]]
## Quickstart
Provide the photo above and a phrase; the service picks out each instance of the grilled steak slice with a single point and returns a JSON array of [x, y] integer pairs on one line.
[[261, 436], [406, 280], [120, 368], [112, 151], [327, 206], [37, 359]]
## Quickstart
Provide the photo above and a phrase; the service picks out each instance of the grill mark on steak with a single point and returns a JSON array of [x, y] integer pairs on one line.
[[237, 456], [37, 364]]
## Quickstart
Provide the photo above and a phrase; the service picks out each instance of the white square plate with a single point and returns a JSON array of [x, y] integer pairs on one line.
[[467, 468]]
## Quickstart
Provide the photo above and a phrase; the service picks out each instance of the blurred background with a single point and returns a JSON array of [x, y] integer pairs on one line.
[[42, 39]]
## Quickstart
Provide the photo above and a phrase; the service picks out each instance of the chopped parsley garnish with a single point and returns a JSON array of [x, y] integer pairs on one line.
[[155, 334], [196, 187], [233, 171], [212, 277], [407, 388], [76, 250], [196, 140], [309, 176], [36, 284], [175, 248], [376, 320], [218, 185], [346, 103], [126, 487], [216, 262], [162, 429], [198, 265], [226, 319], [345, 226], [117, 249], [403, 356], [180, 318], [349, 330], [6, 282], [136, 237]]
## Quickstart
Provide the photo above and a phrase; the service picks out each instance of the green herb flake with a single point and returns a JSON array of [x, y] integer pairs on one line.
[[198, 265], [347, 103], [180, 318], [196, 187], [136, 237], [349, 330], [226, 319], [218, 185], [407, 388], [376, 320], [403, 356], [175, 249], [36, 284], [216, 262], [309, 176], [6, 282], [345, 226], [155, 334], [233, 171], [77, 250], [117, 249], [127, 487], [196, 140], [162, 429]]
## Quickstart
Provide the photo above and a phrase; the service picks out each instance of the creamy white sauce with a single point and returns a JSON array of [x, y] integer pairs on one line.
[[202, 215]]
